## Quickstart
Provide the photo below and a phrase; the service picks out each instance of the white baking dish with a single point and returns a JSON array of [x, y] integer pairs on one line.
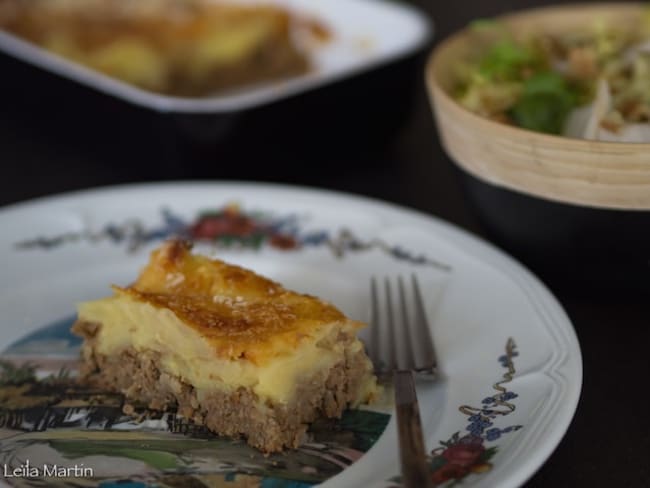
[[366, 34]]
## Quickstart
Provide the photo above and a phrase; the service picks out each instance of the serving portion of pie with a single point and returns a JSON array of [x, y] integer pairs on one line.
[[175, 47], [228, 348]]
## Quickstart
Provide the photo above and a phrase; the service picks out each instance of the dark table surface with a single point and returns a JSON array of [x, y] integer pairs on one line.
[[50, 145]]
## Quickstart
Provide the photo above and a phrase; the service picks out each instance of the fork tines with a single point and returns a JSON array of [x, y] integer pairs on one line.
[[400, 338]]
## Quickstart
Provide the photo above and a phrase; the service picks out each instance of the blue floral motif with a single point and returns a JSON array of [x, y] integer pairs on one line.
[[509, 395], [479, 425], [493, 434]]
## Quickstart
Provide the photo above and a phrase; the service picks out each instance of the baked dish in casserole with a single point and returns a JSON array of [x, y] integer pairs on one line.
[[175, 47], [226, 347]]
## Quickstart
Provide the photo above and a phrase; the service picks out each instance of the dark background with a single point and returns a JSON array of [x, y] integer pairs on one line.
[[373, 136]]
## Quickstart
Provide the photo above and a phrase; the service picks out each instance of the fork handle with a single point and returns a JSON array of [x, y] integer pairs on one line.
[[415, 472]]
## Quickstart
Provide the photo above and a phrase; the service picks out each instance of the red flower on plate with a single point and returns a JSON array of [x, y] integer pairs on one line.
[[464, 454], [448, 472], [229, 222]]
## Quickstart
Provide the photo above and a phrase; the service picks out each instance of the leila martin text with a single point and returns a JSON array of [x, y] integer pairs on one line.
[[28, 470]]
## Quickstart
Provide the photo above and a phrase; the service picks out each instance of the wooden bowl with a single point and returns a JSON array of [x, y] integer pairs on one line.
[[562, 204]]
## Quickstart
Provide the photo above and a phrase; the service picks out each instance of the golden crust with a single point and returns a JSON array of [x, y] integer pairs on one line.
[[241, 314]]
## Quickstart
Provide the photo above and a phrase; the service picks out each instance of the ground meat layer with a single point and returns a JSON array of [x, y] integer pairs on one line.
[[266, 425]]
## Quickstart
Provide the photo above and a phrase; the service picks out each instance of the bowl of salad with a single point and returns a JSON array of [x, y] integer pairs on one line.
[[546, 113]]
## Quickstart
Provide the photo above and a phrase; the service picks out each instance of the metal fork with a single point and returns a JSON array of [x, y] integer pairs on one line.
[[401, 344]]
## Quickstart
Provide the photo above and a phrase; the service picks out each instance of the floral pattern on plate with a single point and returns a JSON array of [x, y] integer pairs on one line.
[[232, 227], [467, 453]]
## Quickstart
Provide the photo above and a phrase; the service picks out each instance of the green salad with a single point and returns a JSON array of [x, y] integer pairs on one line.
[[560, 84]]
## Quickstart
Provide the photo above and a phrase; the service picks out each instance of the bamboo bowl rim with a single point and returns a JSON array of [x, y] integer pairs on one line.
[[585, 162]]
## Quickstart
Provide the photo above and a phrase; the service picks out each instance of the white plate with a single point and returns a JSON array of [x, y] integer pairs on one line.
[[366, 34], [61, 250]]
